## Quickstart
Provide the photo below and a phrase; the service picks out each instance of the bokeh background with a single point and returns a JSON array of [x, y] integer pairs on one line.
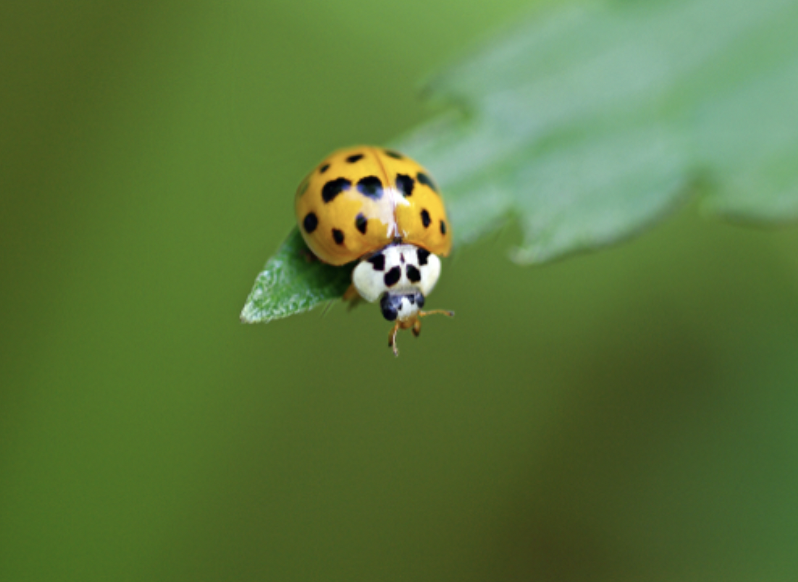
[[624, 415]]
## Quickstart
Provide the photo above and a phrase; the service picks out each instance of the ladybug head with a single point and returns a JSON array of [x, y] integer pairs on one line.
[[399, 276]]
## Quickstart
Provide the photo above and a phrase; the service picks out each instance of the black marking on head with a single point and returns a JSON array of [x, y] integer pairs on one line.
[[378, 262], [413, 274], [310, 222], [443, 227], [405, 184], [370, 186], [392, 277], [389, 305], [354, 157], [333, 188], [425, 219], [361, 223], [423, 255], [411, 299], [420, 300], [394, 155], [324, 168], [338, 236], [427, 181]]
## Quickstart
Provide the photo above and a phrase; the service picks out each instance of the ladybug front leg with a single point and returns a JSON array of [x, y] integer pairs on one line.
[[406, 324], [392, 339], [417, 328], [351, 293]]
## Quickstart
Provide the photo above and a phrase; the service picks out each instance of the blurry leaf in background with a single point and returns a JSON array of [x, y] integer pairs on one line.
[[592, 123], [589, 123], [750, 139]]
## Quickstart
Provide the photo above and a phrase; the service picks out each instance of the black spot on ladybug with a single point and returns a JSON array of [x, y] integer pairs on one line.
[[361, 223], [353, 158], [394, 155], [422, 255], [392, 277], [443, 227], [310, 222], [425, 219], [413, 274], [370, 186], [378, 262], [333, 188], [338, 236], [389, 305], [405, 184], [426, 180], [324, 168]]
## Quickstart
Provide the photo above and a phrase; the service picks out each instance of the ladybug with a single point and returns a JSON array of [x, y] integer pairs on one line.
[[378, 207]]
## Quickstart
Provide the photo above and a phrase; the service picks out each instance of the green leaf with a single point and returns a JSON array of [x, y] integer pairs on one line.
[[293, 281], [755, 158], [591, 123]]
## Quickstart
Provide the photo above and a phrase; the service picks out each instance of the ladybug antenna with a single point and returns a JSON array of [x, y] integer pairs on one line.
[[436, 312]]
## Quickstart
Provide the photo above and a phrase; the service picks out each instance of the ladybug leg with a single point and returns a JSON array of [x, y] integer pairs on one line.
[[352, 297], [407, 324], [351, 293], [417, 328], [392, 339]]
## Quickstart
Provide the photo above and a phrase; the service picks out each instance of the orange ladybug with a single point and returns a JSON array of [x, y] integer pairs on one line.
[[382, 208]]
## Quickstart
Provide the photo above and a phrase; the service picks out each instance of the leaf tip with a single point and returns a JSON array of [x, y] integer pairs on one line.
[[249, 314]]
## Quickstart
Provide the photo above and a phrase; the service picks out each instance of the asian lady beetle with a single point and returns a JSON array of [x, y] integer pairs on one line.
[[379, 207]]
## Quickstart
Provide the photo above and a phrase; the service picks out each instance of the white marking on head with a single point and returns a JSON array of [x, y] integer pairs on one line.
[[384, 272]]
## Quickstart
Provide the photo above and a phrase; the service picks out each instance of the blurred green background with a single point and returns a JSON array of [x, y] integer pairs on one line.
[[625, 415]]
